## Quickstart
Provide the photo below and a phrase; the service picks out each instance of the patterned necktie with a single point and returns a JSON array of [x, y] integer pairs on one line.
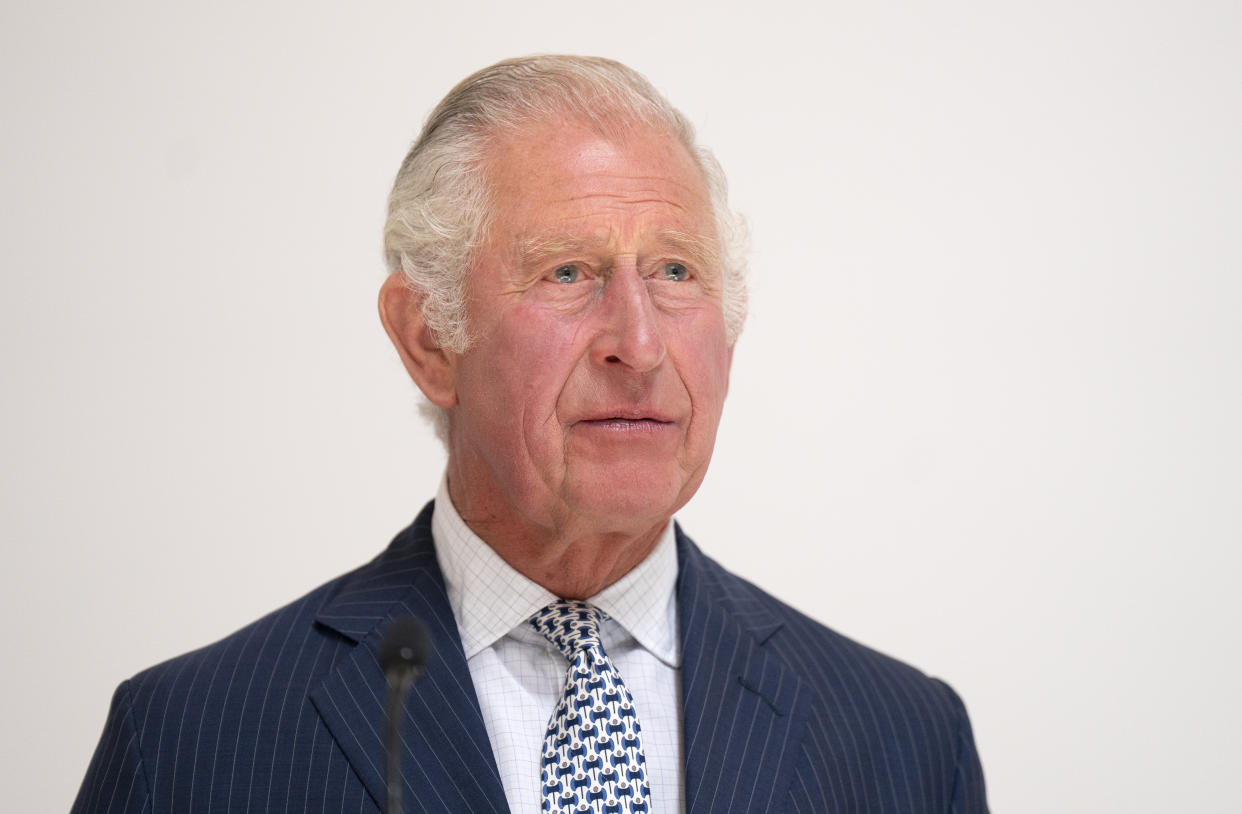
[[592, 755]]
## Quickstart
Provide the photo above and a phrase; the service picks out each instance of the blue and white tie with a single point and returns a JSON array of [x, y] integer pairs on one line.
[[592, 754]]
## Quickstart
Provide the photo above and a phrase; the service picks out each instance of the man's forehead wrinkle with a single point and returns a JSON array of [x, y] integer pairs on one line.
[[629, 200], [640, 189]]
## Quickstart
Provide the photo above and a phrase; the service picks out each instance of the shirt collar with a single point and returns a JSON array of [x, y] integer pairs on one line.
[[490, 598]]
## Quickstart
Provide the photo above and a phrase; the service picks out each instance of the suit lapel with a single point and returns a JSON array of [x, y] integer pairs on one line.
[[744, 712], [448, 762]]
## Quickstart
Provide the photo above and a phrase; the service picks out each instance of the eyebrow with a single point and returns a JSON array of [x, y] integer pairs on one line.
[[703, 250], [536, 250]]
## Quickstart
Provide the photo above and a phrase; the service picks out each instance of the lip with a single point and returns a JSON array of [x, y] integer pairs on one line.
[[613, 429], [626, 424], [627, 415]]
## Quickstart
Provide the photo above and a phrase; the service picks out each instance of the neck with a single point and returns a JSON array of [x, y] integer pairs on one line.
[[571, 566]]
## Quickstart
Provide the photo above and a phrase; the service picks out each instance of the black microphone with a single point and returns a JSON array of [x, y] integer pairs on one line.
[[403, 658]]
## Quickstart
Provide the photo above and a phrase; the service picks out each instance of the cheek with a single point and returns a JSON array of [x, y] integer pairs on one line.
[[707, 363], [523, 364]]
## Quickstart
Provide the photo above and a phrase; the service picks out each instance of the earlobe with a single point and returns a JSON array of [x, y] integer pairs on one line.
[[431, 367]]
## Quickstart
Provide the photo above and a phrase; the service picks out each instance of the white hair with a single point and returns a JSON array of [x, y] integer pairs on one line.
[[438, 210]]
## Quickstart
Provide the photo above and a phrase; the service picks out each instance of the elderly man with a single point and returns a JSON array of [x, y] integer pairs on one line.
[[566, 293]]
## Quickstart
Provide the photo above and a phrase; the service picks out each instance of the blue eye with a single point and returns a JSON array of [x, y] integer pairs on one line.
[[675, 272], [566, 274]]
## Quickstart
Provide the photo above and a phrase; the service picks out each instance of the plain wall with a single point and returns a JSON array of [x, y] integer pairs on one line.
[[986, 414]]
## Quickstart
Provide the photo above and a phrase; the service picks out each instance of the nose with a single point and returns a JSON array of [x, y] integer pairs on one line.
[[629, 333]]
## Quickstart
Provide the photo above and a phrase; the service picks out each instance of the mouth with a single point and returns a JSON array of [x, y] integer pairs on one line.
[[627, 419], [627, 423]]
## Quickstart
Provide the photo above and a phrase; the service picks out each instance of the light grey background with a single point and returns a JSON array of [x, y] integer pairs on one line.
[[985, 416]]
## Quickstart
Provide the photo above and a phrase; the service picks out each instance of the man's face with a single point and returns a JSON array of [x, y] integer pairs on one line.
[[590, 395]]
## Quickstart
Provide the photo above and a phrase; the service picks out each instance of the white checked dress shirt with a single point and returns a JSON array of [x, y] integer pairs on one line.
[[519, 675]]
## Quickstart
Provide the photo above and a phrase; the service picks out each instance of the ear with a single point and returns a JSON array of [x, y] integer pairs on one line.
[[432, 368]]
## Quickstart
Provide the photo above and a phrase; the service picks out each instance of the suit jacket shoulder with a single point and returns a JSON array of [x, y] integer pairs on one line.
[[285, 714], [870, 732]]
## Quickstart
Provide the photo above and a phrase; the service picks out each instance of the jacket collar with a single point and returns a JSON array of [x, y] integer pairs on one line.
[[744, 711]]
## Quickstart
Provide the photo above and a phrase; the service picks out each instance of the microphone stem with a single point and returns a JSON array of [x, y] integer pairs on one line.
[[392, 738]]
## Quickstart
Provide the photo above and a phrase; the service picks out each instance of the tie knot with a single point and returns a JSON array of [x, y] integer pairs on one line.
[[569, 624]]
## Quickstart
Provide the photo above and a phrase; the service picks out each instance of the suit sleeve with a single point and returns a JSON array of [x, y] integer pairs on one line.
[[969, 795], [116, 781]]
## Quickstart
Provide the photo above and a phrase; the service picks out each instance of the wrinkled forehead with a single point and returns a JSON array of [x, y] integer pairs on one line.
[[570, 163]]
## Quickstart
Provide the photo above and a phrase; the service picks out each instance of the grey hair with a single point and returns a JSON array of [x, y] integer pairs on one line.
[[440, 201]]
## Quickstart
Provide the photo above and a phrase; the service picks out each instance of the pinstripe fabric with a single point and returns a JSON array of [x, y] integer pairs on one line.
[[783, 714], [780, 714], [286, 715]]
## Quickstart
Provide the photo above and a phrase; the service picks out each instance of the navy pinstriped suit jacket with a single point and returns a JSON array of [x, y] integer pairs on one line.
[[780, 713]]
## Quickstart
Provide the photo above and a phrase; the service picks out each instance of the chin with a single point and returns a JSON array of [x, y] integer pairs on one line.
[[611, 507]]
